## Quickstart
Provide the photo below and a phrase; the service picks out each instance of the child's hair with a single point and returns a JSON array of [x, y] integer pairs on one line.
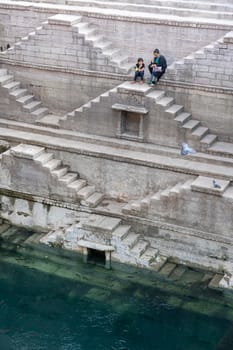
[[140, 59]]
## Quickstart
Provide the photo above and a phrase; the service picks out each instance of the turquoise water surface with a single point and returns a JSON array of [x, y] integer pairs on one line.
[[85, 307]]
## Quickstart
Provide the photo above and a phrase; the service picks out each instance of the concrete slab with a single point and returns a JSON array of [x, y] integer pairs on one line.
[[94, 245], [205, 184], [27, 151], [65, 20], [139, 89], [102, 223]]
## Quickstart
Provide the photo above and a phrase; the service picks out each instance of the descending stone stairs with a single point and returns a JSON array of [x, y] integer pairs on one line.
[[85, 193], [99, 230], [31, 109], [197, 67], [140, 207], [76, 32], [75, 188], [34, 244], [190, 129], [92, 106]]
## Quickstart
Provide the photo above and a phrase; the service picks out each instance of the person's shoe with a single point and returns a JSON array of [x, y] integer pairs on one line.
[[133, 82], [149, 82]]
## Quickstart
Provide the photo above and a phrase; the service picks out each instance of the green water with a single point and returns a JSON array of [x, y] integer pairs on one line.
[[90, 308]]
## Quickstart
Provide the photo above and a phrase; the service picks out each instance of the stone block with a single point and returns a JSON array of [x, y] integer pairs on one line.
[[205, 185], [26, 151], [65, 20]]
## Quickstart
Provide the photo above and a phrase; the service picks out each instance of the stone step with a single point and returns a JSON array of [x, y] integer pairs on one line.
[[140, 247], [121, 231], [158, 263], [214, 283], [191, 125], [44, 158], [156, 95], [32, 106], [155, 198], [68, 178], [60, 172], [165, 193], [176, 189], [167, 269], [18, 93], [148, 257], [208, 140], [12, 86], [165, 101], [145, 203], [85, 192], [178, 272], [26, 99], [94, 199], [101, 223], [183, 118], [174, 110], [200, 132], [40, 112], [52, 164], [77, 185], [4, 79], [50, 120], [131, 239]]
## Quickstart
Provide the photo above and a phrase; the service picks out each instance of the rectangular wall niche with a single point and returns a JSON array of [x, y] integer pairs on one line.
[[130, 123]]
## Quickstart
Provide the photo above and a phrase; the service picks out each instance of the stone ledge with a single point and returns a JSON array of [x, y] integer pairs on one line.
[[119, 15], [97, 246], [128, 108], [26, 151], [64, 20], [205, 185]]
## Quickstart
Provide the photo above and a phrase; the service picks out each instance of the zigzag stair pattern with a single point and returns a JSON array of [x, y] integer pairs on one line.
[[157, 200], [31, 108], [93, 43], [77, 188], [197, 135]]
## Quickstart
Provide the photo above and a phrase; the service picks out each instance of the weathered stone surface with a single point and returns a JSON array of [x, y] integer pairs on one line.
[[205, 184]]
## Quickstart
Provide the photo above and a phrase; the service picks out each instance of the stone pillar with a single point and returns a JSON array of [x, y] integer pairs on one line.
[[141, 127], [108, 260], [85, 254], [119, 124]]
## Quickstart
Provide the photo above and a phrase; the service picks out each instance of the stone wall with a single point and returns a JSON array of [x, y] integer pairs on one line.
[[34, 215], [175, 38], [212, 65]]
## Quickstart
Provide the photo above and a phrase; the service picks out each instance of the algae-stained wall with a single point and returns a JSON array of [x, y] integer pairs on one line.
[[34, 215]]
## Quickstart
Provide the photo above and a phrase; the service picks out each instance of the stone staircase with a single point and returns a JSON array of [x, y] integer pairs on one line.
[[78, 41], [140, 207], [24, 106], [36, 245], [93, 106], [189, 129], [198, 66], [64, 180]]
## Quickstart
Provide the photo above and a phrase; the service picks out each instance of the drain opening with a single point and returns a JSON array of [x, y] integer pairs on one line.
[[95, 256]]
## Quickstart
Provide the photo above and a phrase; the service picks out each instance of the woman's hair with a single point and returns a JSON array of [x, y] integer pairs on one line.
[[140, 59]]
